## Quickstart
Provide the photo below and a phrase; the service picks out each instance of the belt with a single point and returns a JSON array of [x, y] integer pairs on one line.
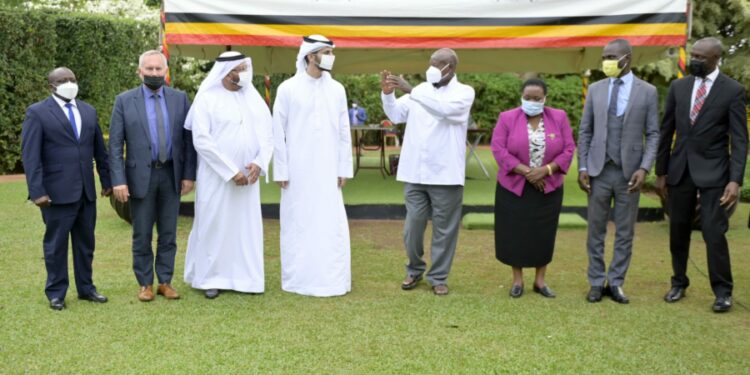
[[159, 165]]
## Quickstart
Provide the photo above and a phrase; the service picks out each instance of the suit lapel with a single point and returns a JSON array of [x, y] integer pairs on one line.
[[58, 113], [140, 107], [634, 91], [600, 116], [170, 99]]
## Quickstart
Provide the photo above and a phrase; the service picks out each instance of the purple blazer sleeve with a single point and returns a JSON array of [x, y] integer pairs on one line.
[[500, 137]]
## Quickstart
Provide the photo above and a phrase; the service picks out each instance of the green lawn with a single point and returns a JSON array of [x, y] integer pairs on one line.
[[369, 187], [377, 329]]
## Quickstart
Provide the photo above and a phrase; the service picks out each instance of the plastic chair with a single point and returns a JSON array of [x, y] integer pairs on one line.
[[390, 133]]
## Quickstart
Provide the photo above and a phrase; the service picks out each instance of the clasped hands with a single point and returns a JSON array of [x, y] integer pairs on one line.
[[240, 179], [535, 176]]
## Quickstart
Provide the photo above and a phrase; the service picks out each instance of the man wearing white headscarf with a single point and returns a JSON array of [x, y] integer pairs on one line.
[[232, 133], [312, 160]]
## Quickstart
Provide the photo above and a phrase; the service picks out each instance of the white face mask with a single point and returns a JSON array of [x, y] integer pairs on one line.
[[435, 75], [67, 90], [326, 62], [244, 79], [532, 108]]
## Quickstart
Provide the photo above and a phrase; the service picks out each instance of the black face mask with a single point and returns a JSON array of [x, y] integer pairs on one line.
[[153, 82], [698, 68]]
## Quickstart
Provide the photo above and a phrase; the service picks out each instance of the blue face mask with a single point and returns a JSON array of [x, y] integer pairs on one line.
[[532, 108]]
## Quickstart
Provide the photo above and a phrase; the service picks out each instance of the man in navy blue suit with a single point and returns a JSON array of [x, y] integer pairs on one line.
[[61, 139], [152, 163]]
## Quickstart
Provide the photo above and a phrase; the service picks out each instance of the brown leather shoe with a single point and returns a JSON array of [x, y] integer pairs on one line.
[[167, 291], [440, 290], [410, 282], [146, 294]]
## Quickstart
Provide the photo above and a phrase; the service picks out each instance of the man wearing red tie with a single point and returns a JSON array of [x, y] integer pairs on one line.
[[706, 111]]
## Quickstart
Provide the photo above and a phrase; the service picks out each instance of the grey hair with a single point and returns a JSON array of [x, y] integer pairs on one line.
[[150, 53]]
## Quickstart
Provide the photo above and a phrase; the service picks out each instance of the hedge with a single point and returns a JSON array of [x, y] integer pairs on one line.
[[101, 50]]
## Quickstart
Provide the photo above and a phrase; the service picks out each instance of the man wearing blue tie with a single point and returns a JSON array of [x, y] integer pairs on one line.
[[158, 166], [60, 140]]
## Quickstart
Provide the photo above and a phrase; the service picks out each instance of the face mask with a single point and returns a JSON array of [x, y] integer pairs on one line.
[[153, 82], [435, 75], [698, 68], [244, 79], [611, 68], [532, 108], [354, 106], [326, 62], [67, 90]]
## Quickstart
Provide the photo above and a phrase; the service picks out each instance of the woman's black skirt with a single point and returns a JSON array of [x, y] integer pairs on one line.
[[526, 226]]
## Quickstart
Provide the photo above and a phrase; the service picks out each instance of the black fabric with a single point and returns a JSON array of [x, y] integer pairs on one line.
[[714, 224], [526, 226]]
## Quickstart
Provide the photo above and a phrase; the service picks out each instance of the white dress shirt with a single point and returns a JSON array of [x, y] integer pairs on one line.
[[76, 114], [710, 79], [434, 149]]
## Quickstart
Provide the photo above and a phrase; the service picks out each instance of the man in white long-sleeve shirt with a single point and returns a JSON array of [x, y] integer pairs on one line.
[[432, 163]]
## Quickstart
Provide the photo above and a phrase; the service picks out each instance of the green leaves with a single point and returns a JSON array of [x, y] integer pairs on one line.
[[101, 50]]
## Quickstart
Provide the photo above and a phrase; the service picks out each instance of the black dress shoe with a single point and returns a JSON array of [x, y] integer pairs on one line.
[[545, 291], [618, 295], [57, 304], [94, 297], [675, 294], [595, 294], [722, 304], [212, 293], [516, 291]]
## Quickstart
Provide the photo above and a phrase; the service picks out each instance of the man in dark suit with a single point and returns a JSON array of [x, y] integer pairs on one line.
[[617, 144], [61, 139], [159, 166], [707, 111]]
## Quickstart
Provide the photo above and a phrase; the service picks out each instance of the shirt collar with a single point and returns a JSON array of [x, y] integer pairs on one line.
[[712, 76], [62, 103], [626, 79], [147, 91], [450, 83]]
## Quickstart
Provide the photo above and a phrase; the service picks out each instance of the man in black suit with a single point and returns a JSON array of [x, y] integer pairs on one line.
[[158, 166], [60, 140], [706, 110]]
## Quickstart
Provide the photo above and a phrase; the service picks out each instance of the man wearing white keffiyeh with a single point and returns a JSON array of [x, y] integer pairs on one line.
[[312, 160], [232, 134]]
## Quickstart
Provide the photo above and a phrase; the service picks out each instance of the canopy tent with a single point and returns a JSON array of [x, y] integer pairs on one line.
[[551, 36]]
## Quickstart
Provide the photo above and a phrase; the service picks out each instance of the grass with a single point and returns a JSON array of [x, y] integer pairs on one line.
[[377, 328], [487, 221], [369, 187]]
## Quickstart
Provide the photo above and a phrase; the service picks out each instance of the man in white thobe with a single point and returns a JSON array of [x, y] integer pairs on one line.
[[432, 163], [312, 160], [232, 133]]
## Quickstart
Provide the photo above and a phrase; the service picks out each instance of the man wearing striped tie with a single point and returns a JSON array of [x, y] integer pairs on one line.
[[705, 112]]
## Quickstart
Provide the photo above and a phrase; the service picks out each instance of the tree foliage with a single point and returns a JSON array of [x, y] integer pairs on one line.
[[101, 50]]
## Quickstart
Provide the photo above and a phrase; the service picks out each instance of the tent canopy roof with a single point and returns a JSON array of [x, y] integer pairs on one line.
[[551, 36]]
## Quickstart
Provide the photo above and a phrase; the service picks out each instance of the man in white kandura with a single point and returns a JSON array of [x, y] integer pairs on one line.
[[432, 162], [232, 134], [312, 160]]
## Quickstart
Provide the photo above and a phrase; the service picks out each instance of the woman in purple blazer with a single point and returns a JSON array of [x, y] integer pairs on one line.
[[533, 146]]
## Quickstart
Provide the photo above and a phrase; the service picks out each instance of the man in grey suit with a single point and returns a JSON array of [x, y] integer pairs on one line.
[[159, 166], [619, 114]]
